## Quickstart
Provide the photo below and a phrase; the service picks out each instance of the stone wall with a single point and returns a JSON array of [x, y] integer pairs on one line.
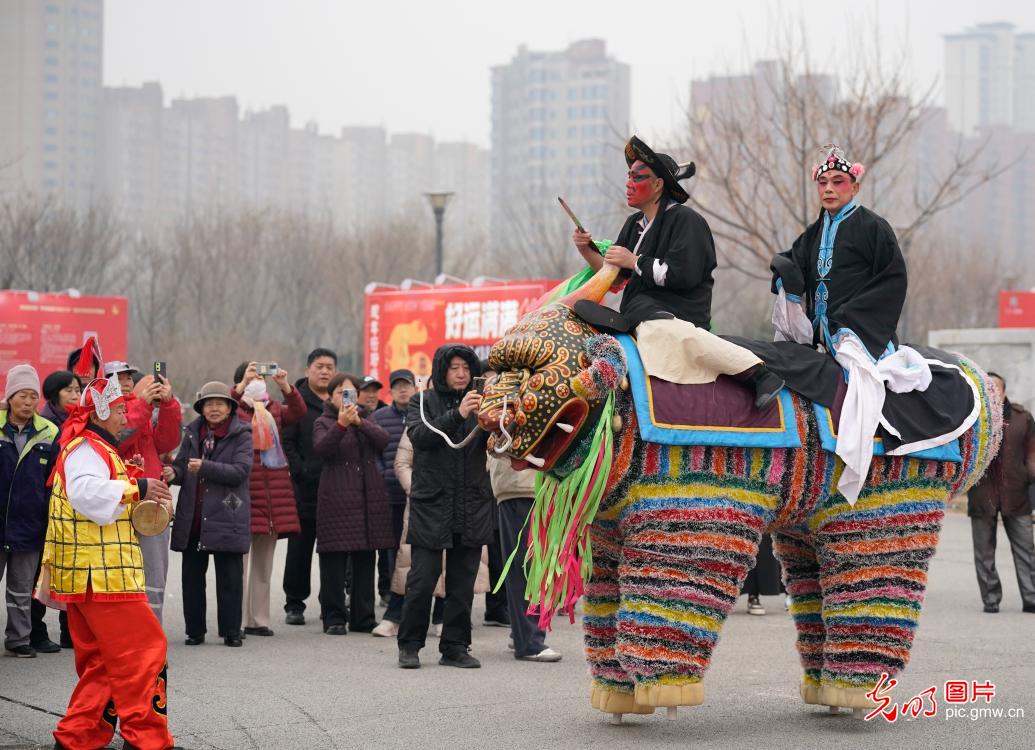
[[1008, 351]]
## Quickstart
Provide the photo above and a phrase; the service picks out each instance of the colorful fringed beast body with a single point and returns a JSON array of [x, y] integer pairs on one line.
[[677, 528]]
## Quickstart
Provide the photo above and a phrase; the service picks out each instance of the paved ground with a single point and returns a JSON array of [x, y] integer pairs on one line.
[[302, 689]]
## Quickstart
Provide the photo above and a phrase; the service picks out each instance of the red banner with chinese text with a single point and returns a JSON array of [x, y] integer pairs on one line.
[[402, 329], [41, 329]]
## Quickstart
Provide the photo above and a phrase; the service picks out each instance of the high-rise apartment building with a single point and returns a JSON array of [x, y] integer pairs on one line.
[[559, 120], [130, 169], [50, 97], [990, 78], [200, 155]]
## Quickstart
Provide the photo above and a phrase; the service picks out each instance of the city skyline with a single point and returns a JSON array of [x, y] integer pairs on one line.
[[307, 60]]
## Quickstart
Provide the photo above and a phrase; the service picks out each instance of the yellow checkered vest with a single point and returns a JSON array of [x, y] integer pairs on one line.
[[79, 552]]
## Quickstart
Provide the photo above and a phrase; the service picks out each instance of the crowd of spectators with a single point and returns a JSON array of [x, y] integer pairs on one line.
[[401, 521]]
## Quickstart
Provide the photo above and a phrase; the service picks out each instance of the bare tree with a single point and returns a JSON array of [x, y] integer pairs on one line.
[[45, 246], [756, 137]]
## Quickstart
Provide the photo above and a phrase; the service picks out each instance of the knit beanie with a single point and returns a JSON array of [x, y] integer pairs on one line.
[[20, 378]]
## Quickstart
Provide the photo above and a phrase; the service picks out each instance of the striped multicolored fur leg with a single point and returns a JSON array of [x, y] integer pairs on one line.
[[873, 572], [612, 689], [797, 556], [690, 538]]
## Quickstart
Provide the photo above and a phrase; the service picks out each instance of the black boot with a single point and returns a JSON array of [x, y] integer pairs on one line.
[[600, 317], [767, 386]]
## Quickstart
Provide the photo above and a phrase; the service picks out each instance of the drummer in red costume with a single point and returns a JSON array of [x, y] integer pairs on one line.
[[92, 566]]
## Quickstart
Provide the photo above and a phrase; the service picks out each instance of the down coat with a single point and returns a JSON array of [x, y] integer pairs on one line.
[[273, 497], [225, 506], [352, 512], [404, 471], [450, 493]]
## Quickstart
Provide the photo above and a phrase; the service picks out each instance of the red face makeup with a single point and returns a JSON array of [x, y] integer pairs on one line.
[[836, 190], [640, 185]]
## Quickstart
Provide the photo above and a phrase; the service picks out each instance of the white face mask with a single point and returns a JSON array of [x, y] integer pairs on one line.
[[256, 390]]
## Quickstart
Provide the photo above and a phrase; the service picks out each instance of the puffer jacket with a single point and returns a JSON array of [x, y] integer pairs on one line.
[[394, 422], [24, 496], [450, 494], [508, 483], [404, 470], [147, 439], [352, 512], [225, 506], [274, 510]]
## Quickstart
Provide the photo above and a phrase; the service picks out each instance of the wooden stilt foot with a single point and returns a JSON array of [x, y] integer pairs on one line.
[[616, 719], [673, 713]]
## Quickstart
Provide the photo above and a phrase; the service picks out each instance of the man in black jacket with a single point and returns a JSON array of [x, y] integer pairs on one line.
[[451, 507], [306, 466]]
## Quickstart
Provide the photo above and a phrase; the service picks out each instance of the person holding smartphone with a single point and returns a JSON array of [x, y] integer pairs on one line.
[[153, 426], [451, 508], [353, 517]]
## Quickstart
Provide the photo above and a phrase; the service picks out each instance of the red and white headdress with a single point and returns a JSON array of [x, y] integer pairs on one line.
[[98, 396], [834, 158]]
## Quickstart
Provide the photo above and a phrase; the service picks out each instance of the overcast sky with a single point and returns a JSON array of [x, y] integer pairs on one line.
[[423, 65]]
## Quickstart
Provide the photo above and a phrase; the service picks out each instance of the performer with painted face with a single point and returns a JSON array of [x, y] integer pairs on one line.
[[846, 267], [840, 290], [92, 566], [667, 252]]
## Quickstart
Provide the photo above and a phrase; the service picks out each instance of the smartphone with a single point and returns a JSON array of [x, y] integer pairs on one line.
[[348, 396], [266, 368], [478, 384], [160, 371]]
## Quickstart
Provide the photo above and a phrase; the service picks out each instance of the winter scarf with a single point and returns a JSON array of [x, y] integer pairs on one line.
[[265, 437]]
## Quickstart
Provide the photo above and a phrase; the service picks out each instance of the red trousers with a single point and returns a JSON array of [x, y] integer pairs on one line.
[[120, 652]]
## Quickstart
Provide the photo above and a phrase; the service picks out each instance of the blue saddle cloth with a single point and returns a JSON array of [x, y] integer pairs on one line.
[[723, 414], [720, 413]]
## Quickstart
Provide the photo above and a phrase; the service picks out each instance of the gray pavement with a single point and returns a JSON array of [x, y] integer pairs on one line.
[[303, 689]]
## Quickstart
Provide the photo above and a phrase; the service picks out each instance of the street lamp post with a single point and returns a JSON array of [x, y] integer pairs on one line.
[[438, 203]]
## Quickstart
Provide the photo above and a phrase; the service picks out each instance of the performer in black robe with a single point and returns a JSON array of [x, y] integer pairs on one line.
[[840, 291], [848, 270], [667, 254]]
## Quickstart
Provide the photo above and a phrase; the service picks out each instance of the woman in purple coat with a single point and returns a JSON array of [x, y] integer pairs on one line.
[[353, 517]]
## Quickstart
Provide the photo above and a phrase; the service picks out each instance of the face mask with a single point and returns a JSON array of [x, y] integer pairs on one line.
[[256, 390]]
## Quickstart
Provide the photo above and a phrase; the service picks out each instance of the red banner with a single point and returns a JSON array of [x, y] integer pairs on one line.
[[403, 328], [1016, 309], [41, 329]]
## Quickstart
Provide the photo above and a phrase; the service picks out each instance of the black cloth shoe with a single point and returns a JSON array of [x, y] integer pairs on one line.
[[460, 659], [258, 631], [46, 646], [991, 608], [22, 652], [194, 640], [1030, 608], [497, 621], [335, 630], [601, 317], [408, 659], [767, 387], [233, 641], [295, 618]]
